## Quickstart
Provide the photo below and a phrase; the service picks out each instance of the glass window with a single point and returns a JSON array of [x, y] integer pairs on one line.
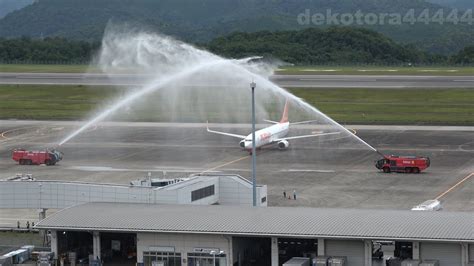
[[206, 259], [161, 258], [202, 193]]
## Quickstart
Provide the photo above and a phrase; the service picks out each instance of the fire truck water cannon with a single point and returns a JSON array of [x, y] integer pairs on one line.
[[47, 156], [402, 164]]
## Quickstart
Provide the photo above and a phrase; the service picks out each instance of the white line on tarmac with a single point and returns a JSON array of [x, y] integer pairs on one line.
[[308, 170]]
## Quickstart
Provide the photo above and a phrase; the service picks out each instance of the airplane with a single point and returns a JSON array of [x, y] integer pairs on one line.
[[275, 133]]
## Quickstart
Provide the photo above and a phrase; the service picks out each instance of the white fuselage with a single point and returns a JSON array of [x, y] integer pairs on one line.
[[266, 135]]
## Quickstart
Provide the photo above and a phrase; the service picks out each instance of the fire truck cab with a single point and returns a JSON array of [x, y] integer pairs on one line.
[[403, 164]]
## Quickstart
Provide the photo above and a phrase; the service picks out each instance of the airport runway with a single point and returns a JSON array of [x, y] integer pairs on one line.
[[324, 172], [286, 81]]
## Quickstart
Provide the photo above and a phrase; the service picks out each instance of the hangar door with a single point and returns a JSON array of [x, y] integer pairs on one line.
[[353, 250], [447, 253]]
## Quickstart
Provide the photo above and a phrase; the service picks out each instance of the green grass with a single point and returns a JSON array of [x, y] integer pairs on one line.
[[394, 106], [362, 106], [25, 68], [375, 70]]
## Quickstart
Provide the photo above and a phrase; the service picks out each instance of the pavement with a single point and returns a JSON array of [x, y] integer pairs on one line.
[[325, 172], [286, 81]]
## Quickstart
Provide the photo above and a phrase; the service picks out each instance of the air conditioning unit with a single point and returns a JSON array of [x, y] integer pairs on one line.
[[337, 261], [429, 263], [321, 261], [410, 263]]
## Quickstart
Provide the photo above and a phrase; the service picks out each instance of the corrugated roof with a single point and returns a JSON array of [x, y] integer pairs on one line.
[[266, 221]]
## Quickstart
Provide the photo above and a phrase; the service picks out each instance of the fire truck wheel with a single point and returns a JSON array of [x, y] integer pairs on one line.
[[416, 170], [47, 162], [408, 170], [29, 162], [386, 170], [22, 162]]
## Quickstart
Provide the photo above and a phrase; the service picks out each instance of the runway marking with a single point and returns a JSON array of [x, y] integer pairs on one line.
[[463, 80], [225, 164], [15, 129], [453, 187], [308, 170]]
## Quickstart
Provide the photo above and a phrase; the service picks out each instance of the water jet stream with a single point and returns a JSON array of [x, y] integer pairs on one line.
[[164, 57]]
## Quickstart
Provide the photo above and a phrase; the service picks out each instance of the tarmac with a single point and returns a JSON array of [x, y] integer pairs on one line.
[[324, 172]]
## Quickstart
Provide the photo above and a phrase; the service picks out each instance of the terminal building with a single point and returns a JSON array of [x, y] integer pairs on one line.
[[168, 234], [197, 190]]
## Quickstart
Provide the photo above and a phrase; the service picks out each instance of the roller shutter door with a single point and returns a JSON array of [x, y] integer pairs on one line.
[[352, 249], [448, 254]]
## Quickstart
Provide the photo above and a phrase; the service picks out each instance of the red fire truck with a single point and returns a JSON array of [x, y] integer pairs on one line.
[[48, 157], [403, 164]]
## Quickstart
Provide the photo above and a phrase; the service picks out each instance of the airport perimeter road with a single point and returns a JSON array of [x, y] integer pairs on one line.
[[306, 81], [324, 173]]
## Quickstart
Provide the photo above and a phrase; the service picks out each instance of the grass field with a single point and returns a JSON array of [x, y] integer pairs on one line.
[[354, 106], [24, 68], [376, 70], [291, 70]]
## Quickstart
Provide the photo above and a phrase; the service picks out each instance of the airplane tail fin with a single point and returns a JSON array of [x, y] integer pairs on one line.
[[284, 117]]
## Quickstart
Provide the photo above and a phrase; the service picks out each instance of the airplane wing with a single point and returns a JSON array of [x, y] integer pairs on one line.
[[304, 122], [225, 133], [307, 136], [270, 121]]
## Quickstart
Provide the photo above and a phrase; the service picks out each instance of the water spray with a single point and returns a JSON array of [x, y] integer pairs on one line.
[[170, 61]]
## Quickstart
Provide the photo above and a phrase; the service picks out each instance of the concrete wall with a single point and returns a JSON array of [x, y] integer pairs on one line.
[[447, 253], [183, 243]]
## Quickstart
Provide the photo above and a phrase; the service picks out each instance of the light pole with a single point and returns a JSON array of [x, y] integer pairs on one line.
[[254, 155]]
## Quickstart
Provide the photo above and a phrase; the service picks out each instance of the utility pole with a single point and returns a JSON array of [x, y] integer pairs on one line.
[[254, 154]]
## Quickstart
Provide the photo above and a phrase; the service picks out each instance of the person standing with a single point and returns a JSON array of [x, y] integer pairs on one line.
[[284, 194], [294, 194]]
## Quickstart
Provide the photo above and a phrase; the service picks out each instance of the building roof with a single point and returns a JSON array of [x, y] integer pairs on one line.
[[266, 221]]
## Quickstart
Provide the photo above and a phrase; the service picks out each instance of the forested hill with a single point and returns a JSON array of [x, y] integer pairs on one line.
[[315, 46], [203, 20], [342, 45]]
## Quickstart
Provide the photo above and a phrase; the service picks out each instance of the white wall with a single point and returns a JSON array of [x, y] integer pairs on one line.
[[229, 190], [183, 243], [235, 191]]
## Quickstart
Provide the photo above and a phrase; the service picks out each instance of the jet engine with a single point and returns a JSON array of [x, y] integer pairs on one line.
[[242, 144], [283, 144]]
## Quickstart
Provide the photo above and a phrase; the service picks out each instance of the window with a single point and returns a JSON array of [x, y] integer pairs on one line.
[[202, 193], [206, 259], [153, 258], [264, 199]]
